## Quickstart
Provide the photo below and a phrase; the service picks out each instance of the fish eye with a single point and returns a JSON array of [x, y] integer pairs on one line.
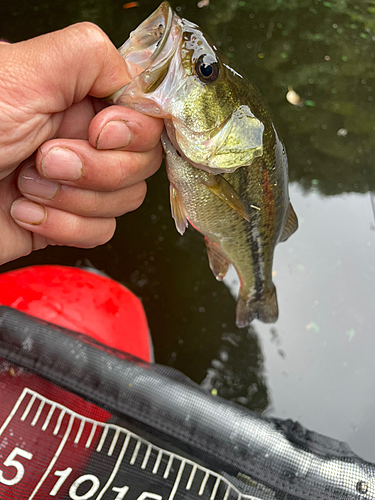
[[206, 71]]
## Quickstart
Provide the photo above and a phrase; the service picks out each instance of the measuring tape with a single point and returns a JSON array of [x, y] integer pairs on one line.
[[121, 464]]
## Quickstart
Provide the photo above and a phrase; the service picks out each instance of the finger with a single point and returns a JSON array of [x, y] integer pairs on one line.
[[76, 163], [62, 227], [66, 65], [76, 120], [44, 76], [78, 201], [118, 127]]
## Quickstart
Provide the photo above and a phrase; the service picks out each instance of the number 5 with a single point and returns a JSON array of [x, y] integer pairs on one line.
[[10, 462]]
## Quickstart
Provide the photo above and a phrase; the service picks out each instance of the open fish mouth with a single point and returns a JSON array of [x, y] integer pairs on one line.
[[147, 42], [151, 46]]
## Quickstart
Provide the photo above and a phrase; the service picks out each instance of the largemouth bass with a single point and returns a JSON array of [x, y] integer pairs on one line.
[[227, 167]]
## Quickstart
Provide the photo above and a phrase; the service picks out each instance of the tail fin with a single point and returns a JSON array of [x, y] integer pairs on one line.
[[265, 308]]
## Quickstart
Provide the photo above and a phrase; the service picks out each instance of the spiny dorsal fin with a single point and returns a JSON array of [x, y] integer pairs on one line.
[[226, 192], [218, 263], [291, 224], [178, 210]]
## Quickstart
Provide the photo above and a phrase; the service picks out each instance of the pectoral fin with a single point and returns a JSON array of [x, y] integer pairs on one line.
[[218, 263], [226, 192], [291, 224], [178, 210]]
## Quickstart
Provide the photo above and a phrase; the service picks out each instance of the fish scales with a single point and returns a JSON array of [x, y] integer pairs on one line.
[[226, 164]]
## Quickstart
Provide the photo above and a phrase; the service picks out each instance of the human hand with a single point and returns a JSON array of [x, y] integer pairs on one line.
[[68, 164]]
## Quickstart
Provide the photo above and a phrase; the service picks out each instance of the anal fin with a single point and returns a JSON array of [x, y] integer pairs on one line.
[[178, 210], [291, 224], [218, 263]]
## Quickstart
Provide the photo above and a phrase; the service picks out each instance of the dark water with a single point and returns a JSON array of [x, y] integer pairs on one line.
[[317, 363]]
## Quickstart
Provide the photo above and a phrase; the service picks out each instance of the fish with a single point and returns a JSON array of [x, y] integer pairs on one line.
[[226, 164]]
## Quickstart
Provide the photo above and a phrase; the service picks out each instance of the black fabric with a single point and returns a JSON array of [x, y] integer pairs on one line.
[[269, 456]]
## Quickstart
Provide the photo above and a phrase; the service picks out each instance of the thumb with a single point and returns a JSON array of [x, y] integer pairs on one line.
[[44, 76], [58, 69]]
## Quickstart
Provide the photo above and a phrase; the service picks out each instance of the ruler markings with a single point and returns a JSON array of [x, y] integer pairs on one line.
[[58, 423], [114, 441], [55, 457], [102, 438], [116, 467], [135, 452], [28, 408], [37, 414], [15, 408], [157, 462], [191, 477], [227, 492], [177, 480], [168, 468], [49, 416], [79, 432], [204, 482], [214, 491], [106, 427], [146, 457], [90, 438]]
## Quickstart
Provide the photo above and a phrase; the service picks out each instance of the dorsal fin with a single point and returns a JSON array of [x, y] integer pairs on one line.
[[291, 224]]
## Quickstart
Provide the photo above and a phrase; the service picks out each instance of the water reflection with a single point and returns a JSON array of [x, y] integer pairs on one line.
[[325, 282], [316, 363], [237, 372]]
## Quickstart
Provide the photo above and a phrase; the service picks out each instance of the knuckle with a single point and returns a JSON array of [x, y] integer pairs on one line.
[[88, 233], [91, 203], [157, 156], [92, 35], [139, 195], [120, 175], [128, 170], [112, 175], [102, 231], [90, 30], [74, 231]]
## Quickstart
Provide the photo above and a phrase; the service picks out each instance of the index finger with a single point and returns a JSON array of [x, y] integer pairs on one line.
[[76, 163], [108, 130]]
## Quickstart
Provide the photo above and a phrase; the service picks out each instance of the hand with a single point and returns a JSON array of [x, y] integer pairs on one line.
[[68, 164]]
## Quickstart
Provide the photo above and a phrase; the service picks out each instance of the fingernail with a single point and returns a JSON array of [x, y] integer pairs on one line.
[[30, 182], [62, 164], [28, 212], [114, 135]]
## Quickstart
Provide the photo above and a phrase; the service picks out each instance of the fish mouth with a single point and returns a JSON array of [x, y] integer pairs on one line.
[[147, 42], [151, 46]]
